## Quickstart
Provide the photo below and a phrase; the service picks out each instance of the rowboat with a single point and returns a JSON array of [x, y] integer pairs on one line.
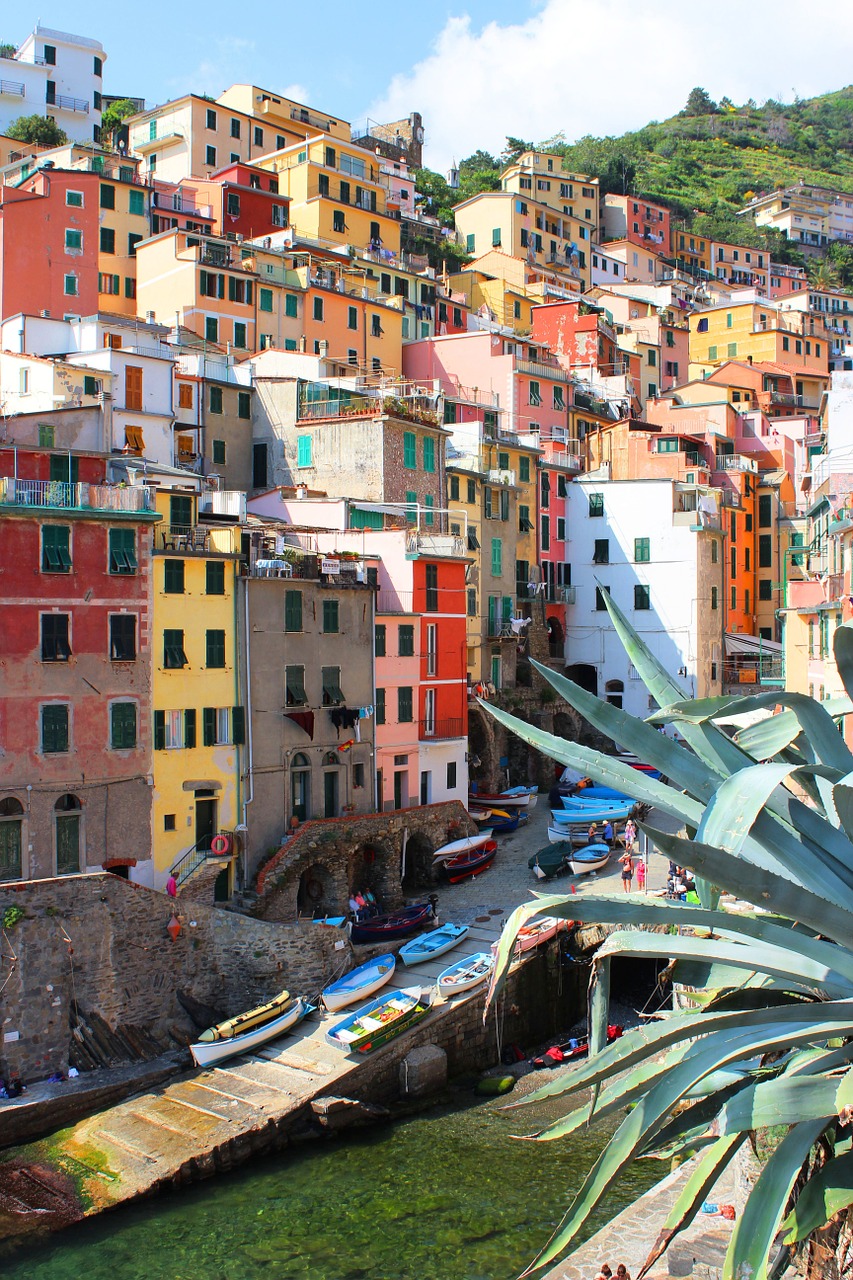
[[592, 858], [463, 845], [532, 794], [432, 944], [599, 793], [594, 802], [502, 825], [503, 799], [628, 757], [470, 863], [481, 816], [465, 974], [359, 983], [251, 1018], [397, 924], [212, 1047], [590, 814], [540, 930], [550, 861], [376, 1023]]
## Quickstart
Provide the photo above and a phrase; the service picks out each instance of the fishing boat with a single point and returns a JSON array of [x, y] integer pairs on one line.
[[216, 1044], [359, 983], [500, 826], [532, 794], [465, 974], [503, 799], [470, 863], [599, 793], [583, 803], [396, 924], [481, 816], [592, 858], [376, 1023], [550, 861], [591, 814], [541, 929], [627, 757], [432, 944], [462, 846]]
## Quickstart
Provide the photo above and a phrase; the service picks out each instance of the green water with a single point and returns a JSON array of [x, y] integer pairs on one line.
[[446, 1195]]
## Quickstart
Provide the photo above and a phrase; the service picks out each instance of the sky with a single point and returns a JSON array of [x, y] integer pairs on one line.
[[477, 70]]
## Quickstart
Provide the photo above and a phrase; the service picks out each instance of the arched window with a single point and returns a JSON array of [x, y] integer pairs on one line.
[[68, 818], [300, 786], [613, 691], [11, 838]]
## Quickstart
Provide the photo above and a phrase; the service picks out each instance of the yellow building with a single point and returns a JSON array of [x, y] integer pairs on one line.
[[199, 717], [541, 176], [123, 223], [509, 288], [760, 333], [692, 252]]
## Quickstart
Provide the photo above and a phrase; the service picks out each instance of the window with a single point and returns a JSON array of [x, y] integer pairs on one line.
[[715, 552], [55, 548], [54, 729], [294, 687], [293, 611], [601, 553], [765, 589], [431, 582], [47, 435], [215, 649], [765, 551], [429, 453], [173, 650], [376, 330], [714, 598], [454, 488], [108, 240], [641, 597], [173, 577], [596, 504], [122, 551], [240, 335], [331, 616], [410, 450], [471, 491], [265, 299], [73, 240], [525, 524], [497, 557], [406, 641], [734, 597], [55, 645], [331, 681], [215, 400], [11, 839], [712, 353], [641, 551], [211, 329], [472, 602], [132, 241], [524, 469], [651, 357], [219, 452], [122, 637], [599, 598], [74, 199], [765, 510], [545, 532], [379, 640], [123, 726], [404, 705], [534, 393], [303, 451], [210, 157], [107, 196]]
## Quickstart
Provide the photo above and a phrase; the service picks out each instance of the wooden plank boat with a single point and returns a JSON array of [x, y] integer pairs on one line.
[[600, 793], [432, 944], [359, 983], [376, 1023], [581, 802], [471, 863], [592, 858], [549, 860], [461, 846], [500, 826], [465, 974], [396, 924], [207, 1051], [589, 814]]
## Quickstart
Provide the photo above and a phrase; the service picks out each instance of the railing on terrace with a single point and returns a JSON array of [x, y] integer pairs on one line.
[[304, 116], [13, 89], [179, 204], [754, 669], [79, 496], [422, 542], [66, 103], [450, 728], [203, 366], [390, 601], [835, 586], [194, 858], [794, 402], [540, 370], [474, 395], [733, 462], [567, 459], [194, 539]]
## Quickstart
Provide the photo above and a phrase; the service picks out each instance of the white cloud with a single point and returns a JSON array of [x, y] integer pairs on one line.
[[608, 66]]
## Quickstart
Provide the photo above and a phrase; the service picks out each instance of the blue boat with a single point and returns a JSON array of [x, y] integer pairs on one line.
[[465, 974], [359, 983], [376, 1023], [502, 825], [598, 795], [597, 806], [435, 943], [592, 858], [616, 813]]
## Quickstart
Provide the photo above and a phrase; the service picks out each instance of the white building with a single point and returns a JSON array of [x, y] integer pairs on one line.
[[657, 547], [55, 74], [606, 268]]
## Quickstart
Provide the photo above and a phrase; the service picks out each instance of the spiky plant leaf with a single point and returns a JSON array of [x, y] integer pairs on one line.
[[825, 1194]]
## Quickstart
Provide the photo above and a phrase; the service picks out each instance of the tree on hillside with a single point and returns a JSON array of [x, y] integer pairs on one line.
[[38, 129], [841, 257], [477, 162], [113, 118], [823, 274], [514, 148], [438, 198], [699, 103]]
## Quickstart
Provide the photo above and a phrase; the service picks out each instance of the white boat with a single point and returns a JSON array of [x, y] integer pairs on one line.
[[429, 945], [540, 929], [465, 974], [360, 982], [500, 800], [463, 845], [206, 1052], [592, 858], [532, 794]]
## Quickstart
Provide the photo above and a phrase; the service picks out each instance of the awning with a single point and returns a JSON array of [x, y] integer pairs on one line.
[[750, 645]]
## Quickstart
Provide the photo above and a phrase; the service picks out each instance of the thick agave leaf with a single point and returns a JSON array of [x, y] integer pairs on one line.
[[842, 797], [842, 648], [737, 803], [826, 1193], [781, 1101], [705, 1173], [757, 1226], [654, 675]]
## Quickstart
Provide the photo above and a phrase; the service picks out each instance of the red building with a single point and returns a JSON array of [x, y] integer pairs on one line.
[[639, 221], [439, 597], [49, 237], [580, 338], [244, 201], [75, 765]]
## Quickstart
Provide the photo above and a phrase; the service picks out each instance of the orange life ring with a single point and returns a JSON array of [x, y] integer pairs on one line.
[[220, 844]]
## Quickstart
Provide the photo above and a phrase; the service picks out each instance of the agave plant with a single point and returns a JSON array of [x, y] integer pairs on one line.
[[768, 1040]]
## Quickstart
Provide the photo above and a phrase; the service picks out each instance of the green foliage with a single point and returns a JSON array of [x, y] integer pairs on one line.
[[514, 148], [699, 103], [766, 1041], [11, 916], [7, 50], [116, 112], [39, 129]]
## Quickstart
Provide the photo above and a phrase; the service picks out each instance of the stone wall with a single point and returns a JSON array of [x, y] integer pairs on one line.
[[538, 706], [314, 873], [102, 942]]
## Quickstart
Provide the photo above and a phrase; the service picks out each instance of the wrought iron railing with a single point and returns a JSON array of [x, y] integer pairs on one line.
[[195, 857]]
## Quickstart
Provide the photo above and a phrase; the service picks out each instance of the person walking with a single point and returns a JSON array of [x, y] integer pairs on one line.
[[608, 834], [627, 871], [630, 835], [641, 875]]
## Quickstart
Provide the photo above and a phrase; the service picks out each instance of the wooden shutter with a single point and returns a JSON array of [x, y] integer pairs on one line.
[[159, 730]]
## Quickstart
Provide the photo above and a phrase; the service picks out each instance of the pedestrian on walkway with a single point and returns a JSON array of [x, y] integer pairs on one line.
[[641, 875], [630, 835], [608, 834], [627, 872]]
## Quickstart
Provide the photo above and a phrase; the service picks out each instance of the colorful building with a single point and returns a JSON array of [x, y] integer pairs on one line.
[[49, 227], [637, 220]]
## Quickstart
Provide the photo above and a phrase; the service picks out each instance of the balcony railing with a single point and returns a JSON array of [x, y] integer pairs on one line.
[[12, 89], [79, 496], [435, 544], [66, 103], [539, 370], [451, 728], [187, 539], [734, 462], [390, 601]]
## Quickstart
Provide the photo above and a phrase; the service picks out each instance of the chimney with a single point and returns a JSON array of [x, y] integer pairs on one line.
[[150, 317]]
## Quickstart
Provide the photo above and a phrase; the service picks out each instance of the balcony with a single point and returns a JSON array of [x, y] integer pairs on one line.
[[303, 116], [12, 89], [498, 476], [390, 601], [66, 103], [58, 495], [187, 539], [567, 459], [734, 462], [794, 402], [538, 370], [432, 730], [419, 543]]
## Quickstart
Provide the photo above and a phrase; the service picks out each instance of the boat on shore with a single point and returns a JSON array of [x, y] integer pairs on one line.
[[465, 974], [501, 799], [539, 930], [429, 945], [396, 924], [359, 983], [471, 863], [382, 1020], [592, 858], [576, 836], [212, 1047], [532, 794], [501, 826], [463, 845], [603, 812]]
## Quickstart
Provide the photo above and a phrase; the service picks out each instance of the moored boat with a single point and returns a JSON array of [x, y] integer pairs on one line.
[[500, 826], [241, 1022], [396, 924], [206, 1050], [380, 1021], [359, 983], [470, 863], [532, 794], [461, 846], [578, 813], [502, 799], [540, 929], [592, 858], [429, 945], [465, 974], [550, 862], [597, 802]]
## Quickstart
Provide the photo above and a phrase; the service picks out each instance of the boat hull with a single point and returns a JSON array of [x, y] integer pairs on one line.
[[468, 972], [359, 983], [380, 1021], [398, 924], [549, 861], [501, 800], [430, 945], [205, 1053], [469, 864], [582, 863], [616, 814], [538, 931], [462, 846]]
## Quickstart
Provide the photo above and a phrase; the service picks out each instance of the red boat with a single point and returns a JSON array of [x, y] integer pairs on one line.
[[470, 863], [577, 1048]]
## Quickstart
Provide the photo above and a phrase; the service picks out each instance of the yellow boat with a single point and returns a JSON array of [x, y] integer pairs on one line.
[[245, 1021]]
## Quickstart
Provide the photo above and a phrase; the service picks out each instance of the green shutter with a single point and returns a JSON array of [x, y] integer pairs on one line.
[[411, 503], [238, 725], [159, 730], [293, 610], [497, 557], [429, 503], [122, 725], [54, 720], [208, 723], [290, 304], [429, 453], [303, 451], [410, 450], [265, 299], [215, 649], [331, 616], [189, 727]]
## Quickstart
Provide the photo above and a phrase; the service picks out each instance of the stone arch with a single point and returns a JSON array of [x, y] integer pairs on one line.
[[316, 894], [614, 692], [556, 639], [584, 674], [419, 866], [482, 747]]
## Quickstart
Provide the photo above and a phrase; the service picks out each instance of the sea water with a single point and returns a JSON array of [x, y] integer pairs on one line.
[[445, 1195]]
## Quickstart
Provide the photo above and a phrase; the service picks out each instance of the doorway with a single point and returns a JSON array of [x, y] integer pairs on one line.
[[426, 786], [330, 794], [300, 787], [205, 819], [400, 776]]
